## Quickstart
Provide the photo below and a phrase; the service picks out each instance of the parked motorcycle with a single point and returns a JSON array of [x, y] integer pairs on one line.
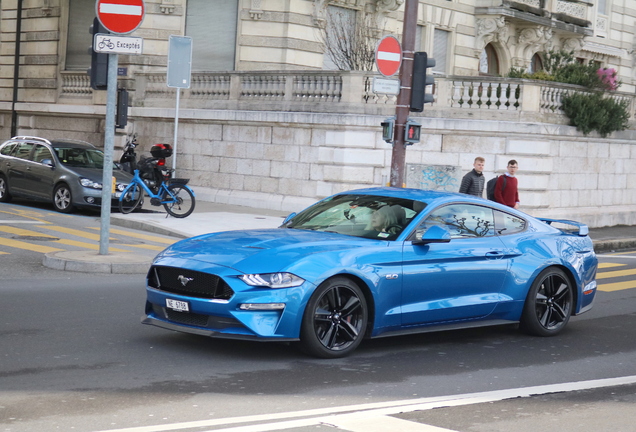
[[153, 170]]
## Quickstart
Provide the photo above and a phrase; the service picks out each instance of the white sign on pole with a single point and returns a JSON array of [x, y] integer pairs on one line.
[[118, 44], [386, 86]]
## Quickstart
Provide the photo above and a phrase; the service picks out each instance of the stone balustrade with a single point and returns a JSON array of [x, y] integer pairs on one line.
[[348, 93]]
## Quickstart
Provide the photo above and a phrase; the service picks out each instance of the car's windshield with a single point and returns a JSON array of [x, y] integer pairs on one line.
[[80, 157], [368, 216]]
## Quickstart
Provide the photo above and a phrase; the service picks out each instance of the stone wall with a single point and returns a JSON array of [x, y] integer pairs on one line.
[[285, 161]]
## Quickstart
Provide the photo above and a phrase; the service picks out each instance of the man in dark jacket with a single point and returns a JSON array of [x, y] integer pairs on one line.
[[473, 182]]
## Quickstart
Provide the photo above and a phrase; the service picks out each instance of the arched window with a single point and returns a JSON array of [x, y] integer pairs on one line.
[[488, 61], [536, 64]]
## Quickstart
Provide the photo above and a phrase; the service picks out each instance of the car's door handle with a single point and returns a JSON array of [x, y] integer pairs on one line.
[[494, 255]]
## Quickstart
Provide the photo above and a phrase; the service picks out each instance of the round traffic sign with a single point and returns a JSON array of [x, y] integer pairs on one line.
[[120, 16], [388, 56]]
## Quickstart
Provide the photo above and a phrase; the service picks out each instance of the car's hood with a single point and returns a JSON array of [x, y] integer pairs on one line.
[[252, 251], [96, 174]]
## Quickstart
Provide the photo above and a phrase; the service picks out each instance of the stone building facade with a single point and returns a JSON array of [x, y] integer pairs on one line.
[[268, 122]]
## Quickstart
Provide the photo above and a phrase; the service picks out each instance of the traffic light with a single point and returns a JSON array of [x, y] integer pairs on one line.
[[412, 132], [387, 129], [421, 79], [121, 114], [99, 61]]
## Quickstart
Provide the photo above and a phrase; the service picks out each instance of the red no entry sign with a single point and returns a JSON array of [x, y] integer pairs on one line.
[[120, 16], [388, 56]]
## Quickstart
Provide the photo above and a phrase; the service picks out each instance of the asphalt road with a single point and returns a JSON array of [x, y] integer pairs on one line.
[[75, 357]]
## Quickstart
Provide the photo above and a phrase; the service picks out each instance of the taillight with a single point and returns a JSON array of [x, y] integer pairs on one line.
[[161, 162]]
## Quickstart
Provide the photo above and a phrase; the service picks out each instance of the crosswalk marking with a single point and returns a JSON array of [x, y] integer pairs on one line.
[[25, 232], [145, 246], [28, 246], [617, 286], [609, 265], [615, 273], [72, 231], [140, 236]]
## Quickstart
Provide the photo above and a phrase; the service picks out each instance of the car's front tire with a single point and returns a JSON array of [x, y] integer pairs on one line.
[[549, 304], [5, 196], [335, 319], [63, 199]]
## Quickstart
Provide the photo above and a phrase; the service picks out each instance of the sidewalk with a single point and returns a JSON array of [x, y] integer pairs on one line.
[[213, 217]]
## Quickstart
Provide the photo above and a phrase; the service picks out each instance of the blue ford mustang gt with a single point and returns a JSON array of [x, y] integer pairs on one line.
[[372, 263]]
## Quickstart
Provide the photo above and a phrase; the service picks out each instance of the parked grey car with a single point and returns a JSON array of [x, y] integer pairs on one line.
[[67, 173]]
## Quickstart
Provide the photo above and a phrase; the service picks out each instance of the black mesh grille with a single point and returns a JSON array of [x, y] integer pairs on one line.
[[189, 283], [195, 319]]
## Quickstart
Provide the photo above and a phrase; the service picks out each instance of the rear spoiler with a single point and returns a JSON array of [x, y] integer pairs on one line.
[[579, 228]]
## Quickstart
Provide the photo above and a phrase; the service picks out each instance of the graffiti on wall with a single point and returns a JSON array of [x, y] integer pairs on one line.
[[435, 177]]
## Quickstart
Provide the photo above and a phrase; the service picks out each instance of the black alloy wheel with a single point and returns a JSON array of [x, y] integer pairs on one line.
[[335, 319], [5, 196], [63, 199], [549, 304]]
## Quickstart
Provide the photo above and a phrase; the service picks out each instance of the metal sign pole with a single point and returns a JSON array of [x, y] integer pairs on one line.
[[176, 129], [109, 145]]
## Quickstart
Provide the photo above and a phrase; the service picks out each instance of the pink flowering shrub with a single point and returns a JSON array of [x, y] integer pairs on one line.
[[608, 78]]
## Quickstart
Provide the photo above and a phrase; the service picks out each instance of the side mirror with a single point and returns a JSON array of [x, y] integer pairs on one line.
[[288, 218], [434, 234], [48, 162]]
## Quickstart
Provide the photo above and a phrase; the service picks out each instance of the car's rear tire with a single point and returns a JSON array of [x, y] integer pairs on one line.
[[335, 319], [549, 304], [5, 196], [63, 199]]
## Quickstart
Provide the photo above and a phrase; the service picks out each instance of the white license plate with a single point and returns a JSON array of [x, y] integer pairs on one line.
[[177, 305]]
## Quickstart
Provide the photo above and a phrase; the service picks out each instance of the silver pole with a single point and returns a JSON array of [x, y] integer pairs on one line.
[[109, 140], [176, 129]]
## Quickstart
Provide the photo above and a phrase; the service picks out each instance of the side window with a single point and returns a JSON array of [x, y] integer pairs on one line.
[[509, 224], [7, 149], [23, 151], [462, 220], [41, 153]]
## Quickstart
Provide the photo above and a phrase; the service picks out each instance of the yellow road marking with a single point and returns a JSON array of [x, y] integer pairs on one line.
[[86, 245], [609, 265], [616, 273], [28, 246], [72, 231], [141, 236], [145, 246], [617, 286], [4, 253], [23, 232], [30, 214]]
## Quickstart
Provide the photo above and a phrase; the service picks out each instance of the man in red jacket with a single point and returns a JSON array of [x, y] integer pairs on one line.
[[506, 189]]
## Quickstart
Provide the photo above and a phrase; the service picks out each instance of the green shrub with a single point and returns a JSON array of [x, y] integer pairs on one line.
[[587, 111], [593, 111]]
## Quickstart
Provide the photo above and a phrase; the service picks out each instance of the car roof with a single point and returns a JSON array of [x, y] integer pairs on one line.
[[55, 143], [424, 195]]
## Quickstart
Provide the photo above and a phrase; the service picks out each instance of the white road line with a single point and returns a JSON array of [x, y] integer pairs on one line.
[[616, 256], [328, 415]]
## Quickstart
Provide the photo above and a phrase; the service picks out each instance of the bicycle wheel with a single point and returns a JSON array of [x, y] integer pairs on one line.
[[183, 203], [130, 199]]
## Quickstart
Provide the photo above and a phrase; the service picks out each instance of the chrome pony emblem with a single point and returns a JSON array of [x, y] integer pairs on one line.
[[184, 280]]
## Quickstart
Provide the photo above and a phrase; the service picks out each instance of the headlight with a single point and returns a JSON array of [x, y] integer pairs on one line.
[[273, 280], [89, 183]]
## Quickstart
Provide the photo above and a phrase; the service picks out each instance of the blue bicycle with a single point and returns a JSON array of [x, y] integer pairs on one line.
[[173, 193]]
